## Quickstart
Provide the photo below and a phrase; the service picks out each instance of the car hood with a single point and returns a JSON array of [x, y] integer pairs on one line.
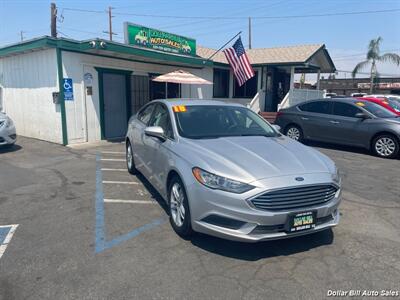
[[255, 157]]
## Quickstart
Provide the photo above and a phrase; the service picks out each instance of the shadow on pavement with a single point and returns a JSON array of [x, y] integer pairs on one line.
[[256, 251], [9, 148], [338, 147], [153, 192]]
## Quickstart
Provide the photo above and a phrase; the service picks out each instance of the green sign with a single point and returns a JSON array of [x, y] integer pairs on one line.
[[159, 40]]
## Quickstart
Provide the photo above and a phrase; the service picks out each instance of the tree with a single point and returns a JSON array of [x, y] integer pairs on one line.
[[374, 56]]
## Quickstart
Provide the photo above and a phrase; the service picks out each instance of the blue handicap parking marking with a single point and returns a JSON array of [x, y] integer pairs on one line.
[[3, 233], [101, 243]]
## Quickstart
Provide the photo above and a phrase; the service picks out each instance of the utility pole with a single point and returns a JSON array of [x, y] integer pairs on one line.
[[53, 20], [110, 16], [249, 32], [22, 35]]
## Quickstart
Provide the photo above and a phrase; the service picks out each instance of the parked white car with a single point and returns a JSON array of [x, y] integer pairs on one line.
[[8, 135]]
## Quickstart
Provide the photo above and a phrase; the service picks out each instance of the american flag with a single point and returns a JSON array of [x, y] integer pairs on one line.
[[239, 62]]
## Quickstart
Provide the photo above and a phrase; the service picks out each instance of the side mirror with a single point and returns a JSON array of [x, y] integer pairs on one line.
[[155, 131], [276, 127], [361, 116]]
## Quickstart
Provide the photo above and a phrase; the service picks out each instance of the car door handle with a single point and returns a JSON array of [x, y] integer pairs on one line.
[[304, 118], [334, 122]]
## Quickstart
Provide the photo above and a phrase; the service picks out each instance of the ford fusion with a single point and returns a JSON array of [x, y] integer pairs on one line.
[[7, 131], [225, 171]]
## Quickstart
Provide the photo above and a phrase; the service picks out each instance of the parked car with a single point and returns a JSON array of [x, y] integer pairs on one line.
[[349, 121], [224, 171], [8, 134], [391, 105], [357, 94]]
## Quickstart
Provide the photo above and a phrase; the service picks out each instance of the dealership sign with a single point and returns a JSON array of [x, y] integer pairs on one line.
[[159, 40]]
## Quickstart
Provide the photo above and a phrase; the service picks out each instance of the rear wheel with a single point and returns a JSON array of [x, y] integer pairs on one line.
[[130, 162], [386, 146], [179, 213], [294, 132]]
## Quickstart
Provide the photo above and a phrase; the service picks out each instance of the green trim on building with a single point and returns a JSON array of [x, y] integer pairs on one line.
[[108, 46], [100, 72], [60, 74]]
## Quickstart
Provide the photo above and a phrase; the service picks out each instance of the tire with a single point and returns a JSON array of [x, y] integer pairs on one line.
[[385, 146], [294, 132], [178, 204], [130, 162]]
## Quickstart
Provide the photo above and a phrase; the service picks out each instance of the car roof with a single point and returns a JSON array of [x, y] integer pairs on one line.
[[192, 102]]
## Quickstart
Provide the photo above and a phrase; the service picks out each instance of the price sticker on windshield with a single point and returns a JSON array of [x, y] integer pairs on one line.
[[179, 108], [360, 104]]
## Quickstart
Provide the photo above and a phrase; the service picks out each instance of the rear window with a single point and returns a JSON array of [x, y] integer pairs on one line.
[[320, 107]]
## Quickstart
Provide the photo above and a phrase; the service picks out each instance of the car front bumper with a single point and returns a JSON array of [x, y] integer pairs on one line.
[[8, 135], [231, 216]]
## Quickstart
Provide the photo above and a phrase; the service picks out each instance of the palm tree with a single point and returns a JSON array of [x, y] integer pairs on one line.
[[373, 56]]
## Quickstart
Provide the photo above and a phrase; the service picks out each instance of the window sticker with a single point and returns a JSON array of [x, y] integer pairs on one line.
[[179, 108], [360, 104]]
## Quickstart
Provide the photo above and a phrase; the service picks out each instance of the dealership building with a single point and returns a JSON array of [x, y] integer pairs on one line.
[[68, 91]]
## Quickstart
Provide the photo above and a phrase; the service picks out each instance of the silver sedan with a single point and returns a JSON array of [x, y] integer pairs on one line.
[[8, 135], [225, 171]]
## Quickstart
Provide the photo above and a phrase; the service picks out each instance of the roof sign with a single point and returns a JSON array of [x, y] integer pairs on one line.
[[141, 36]]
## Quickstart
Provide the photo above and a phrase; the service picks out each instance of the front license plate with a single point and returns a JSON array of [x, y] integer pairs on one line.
[[302, 221]]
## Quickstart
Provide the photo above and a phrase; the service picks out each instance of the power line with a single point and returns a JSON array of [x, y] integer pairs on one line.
[[366, 73], [262, 17], [360, 54]]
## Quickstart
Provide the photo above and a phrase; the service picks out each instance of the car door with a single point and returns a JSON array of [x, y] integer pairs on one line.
[[314, 118], [345, 127], [156, 150], [138, 137]]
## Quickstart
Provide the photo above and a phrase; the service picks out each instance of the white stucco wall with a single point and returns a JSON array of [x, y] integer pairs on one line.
[[28, 81]]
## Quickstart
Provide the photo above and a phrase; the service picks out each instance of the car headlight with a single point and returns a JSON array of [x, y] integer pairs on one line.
[[220, 183], [9, 122], [336, 176]]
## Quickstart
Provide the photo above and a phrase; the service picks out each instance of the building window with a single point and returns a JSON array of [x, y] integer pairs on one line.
[[221, 83], [248, 89], [158, 90]]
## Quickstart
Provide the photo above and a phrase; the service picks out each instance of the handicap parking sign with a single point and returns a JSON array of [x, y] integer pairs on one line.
[[68, 89]]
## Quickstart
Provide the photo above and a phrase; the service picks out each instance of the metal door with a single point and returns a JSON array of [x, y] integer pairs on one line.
[[115, 105]]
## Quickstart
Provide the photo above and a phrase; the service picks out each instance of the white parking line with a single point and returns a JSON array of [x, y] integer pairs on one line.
[[121, 182], [112, 152], [119, 170], [113, 159], [7, 240], [129, 201]]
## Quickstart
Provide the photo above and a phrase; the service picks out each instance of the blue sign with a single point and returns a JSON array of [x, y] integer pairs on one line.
[[68, 89]]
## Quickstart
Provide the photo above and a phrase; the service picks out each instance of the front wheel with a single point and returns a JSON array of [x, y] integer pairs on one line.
[[294, 132], [179, 213], [386, 146], [130, 162]]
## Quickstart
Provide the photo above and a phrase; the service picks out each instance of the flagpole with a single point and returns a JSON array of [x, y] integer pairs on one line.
[[224, 45]]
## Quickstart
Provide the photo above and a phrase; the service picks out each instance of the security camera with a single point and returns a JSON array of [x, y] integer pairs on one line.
[[92, 44], [103, 44]]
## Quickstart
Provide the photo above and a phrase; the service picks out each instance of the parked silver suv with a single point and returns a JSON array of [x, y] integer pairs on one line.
[[225, 171]]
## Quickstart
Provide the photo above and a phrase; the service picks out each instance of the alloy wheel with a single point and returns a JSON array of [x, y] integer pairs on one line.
[[385, 146], [177, 208], [129, 156], [293, 133]]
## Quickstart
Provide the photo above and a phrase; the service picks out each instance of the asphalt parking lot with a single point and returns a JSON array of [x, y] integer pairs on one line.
[[86, 229]]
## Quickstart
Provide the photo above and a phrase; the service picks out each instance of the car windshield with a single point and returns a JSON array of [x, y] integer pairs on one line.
[[214, 121], [376, 109]]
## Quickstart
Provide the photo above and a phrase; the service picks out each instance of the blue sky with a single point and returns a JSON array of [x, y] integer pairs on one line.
[[346, 37]]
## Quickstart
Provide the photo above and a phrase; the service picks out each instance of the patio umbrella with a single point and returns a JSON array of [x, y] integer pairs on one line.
[[181, 76]]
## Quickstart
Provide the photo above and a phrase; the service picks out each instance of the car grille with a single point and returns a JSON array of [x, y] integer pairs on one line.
[[293, 198]]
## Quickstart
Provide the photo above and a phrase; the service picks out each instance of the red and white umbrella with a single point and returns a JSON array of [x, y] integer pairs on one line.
[[182, 77]]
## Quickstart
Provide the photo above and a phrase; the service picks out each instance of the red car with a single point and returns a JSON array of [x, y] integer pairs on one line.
[[381, 102]]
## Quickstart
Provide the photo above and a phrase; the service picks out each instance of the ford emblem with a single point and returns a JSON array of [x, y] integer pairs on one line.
[[299, 178]]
